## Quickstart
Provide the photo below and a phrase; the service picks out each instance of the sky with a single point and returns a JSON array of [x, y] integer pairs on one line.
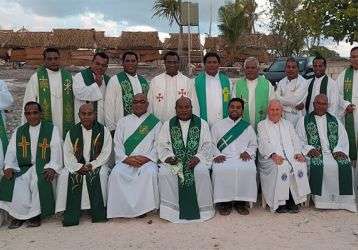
[[115, 16]]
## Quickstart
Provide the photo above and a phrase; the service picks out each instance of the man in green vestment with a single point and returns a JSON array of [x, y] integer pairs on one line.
[[256, 91], [33, 159], [326, 146], [51, 87], [185, 149], [121, 89], [82, 184]]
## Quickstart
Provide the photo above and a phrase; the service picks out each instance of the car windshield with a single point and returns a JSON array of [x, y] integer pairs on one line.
[[279, 66]]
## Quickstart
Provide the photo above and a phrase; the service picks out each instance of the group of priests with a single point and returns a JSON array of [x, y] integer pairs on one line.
[[121, 146]]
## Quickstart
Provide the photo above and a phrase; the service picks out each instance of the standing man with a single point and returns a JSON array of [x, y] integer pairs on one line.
[[168, 87], [322, 84], [213, 90], [185, 150], [234, 169], [282, 166], [121, 90], [348, 90], [51, 87], [89, 85], [83, 182], [291, 92], [133, 183], [326, 145], [256, 92], [33, 159]]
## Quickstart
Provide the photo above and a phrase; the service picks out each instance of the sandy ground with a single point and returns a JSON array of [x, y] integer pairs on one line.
[[310, 229]]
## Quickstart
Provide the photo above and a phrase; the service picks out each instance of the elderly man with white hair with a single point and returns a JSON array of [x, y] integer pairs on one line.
[[255, 90], [282, 166]]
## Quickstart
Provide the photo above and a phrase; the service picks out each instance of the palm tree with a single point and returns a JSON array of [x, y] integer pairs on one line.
[[170, 9]]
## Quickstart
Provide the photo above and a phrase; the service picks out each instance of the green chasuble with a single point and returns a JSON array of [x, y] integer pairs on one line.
[[200, 87], [140, 133], [232, 134], [87, 75], [349, 117], [3, 135], [316, 163], [322, 90], [75, 180], [262, 92], [23, 154], [188, 202], [127, 91], [67, 98]]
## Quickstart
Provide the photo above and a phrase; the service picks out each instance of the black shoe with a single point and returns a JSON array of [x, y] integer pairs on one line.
[[15, 223], [224, 208], [241, 208], [34, 222], [293, 209], [282, 209]]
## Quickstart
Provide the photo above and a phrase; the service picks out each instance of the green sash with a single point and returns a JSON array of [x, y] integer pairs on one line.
[[140, 133], [188, 202], [232, 134], [316, 163], [75, 180], [261, 98], [349, 117], [23, 154], [127, 91], [3, 135], [67, 98], [87, 75], [322, 90], [200, 87]]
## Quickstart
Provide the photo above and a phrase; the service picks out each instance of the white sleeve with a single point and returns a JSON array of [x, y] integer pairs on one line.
[[10, 157], [340, 84], [333, 97], [152, 154], [118, 141], [193, 97], [103, 157], [343, 142], [205, 150], [56, 162], [31, 94], [86, 93], [252, 147], [163, 143], [215, 139], [69, 157], [113, 106], [301, 133], [5, 96], [264, 144]]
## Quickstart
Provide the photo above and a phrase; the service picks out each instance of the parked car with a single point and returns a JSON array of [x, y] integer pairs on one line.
[[276, 71]]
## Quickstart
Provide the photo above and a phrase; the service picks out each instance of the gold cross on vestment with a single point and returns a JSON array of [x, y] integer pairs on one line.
[[23, 144], [67, 85], [43, 82], [226, 94], [44, 146]]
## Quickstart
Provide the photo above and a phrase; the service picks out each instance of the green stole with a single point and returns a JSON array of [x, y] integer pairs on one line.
[[127, 91], [188, 202], [322, 90], [43, 156], [68, 117], [88, 79], [349, 118], [75, 180], [232, 134], [261, 98], [3, 135], [140, 133], [316, 163], [200, 87]]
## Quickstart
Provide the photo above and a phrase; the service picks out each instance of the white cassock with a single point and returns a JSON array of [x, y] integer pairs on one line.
[[32, 94], [25, 202], [332, 94], [113, 104], [91, 93], [165, 90], [330, 198], [234, 179], [133, 191], [290, 94], [168, 182], [72, 165], [5, 101], [277, 181], [251, 85]]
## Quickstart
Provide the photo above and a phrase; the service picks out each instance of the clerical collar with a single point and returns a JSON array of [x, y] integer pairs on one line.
[[142, 116], [236, 120], [320, 77], [320, 116], [85, 128], [173, 75], [35, 125], [130, 76], [275, 123], [216, 76]]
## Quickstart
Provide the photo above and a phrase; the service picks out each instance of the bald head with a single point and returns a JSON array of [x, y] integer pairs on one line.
[[87, 107], [183, 100], [183, 108], [140, 104], [320, 104], [274, 111]]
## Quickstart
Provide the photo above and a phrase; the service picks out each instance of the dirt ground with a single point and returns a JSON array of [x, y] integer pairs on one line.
[[309, 229]]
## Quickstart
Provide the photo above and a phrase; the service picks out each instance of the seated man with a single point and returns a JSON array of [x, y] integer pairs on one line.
[[82, 184], [133, 183], [33, 157], [185, 149], [326, 145], [234, 169], [282, 167]]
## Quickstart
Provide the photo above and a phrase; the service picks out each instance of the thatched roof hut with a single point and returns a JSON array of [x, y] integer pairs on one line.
[[140, 40], [4, 37], [29, 39], [74, 38], [172, 42], [109, 43]]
